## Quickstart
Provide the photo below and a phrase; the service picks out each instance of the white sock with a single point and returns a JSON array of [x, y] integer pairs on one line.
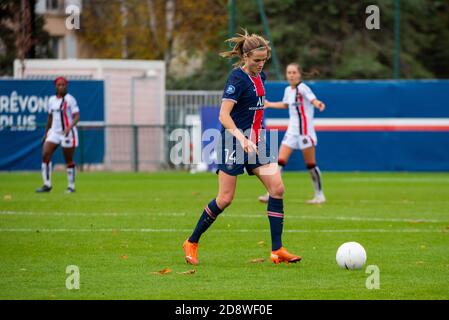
[[71, 177], [315, 174], [46, 173]]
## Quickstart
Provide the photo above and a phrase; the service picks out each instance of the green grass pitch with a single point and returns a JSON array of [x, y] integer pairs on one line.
[[120, 229]]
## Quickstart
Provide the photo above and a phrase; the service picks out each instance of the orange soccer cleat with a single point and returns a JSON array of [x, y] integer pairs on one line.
[[282, 255], [190, 250]]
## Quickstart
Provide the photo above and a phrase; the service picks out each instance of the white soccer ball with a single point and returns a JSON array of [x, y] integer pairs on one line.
[[202, 167], [351, 255]]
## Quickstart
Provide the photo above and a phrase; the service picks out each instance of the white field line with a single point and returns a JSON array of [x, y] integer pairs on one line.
[[397, 179], [359, 201], [88, 214], [341, 218], [145, 230], [182, 214]]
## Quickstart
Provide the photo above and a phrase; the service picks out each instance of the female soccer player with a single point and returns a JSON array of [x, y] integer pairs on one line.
[[63, 115], [300, 101], [242, 145]]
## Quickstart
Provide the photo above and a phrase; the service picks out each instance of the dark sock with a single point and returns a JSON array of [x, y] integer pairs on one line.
[[275, 212], [210, 213]]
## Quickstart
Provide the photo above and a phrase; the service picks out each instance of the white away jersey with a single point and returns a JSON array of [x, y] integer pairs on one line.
[[62, 110], [300, 109]]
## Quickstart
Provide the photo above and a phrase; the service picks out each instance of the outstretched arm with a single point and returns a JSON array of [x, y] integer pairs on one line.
[[275, 105], [318, 104]]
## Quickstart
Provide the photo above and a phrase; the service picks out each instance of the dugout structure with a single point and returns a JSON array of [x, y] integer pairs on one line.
[[134, 108]]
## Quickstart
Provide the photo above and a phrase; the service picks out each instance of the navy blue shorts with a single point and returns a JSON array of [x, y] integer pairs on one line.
[[236, 169], [234, 160]]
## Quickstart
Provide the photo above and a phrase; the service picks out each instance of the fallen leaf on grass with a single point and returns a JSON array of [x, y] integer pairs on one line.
[[261, 243], [124, 257], [163, 271], [187, 272], [419, 262], [7, 197], [257, 260]]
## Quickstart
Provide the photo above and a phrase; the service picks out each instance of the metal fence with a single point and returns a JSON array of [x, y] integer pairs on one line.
[[140, 147], [148, 147], [181, 104], [131, 147], [183, 111]]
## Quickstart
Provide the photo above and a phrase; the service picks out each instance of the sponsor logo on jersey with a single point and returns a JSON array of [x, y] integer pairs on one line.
[[230, 89], [256, 108]]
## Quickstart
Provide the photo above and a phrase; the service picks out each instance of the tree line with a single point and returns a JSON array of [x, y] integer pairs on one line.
[[327, 36]]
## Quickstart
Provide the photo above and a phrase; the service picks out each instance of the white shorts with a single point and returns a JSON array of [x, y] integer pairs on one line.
[[71, 141], [301, 142]]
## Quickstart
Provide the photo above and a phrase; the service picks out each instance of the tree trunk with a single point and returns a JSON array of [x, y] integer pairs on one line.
[[170, 14]]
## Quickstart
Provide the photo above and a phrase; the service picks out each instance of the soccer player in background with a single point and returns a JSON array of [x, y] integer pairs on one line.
[[63, 115], [301, 102], [241, 116]]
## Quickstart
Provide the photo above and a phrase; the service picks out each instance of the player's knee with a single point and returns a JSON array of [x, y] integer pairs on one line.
[[46, 157], [224, 201], [310, 165], [277, 190]]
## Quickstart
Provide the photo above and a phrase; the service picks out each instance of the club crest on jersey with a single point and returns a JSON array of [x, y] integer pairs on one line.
[[230, 89]]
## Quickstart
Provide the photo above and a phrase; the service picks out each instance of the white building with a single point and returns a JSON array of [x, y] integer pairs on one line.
[[64, 42]]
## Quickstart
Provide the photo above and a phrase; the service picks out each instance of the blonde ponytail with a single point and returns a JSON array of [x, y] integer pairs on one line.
[[245, 44]]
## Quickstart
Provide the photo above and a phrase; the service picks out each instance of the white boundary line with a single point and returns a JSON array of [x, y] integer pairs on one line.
[[88, 214], [183, 214], [340, 218], [398, 179]]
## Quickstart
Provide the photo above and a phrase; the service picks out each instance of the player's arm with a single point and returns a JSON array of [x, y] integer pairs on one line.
[[47, 126], [318, 104], [275, 105], [76, 119], [229, 124], [307, 92]]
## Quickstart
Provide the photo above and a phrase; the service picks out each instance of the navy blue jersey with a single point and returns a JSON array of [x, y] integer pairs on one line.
[[248, 93]]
